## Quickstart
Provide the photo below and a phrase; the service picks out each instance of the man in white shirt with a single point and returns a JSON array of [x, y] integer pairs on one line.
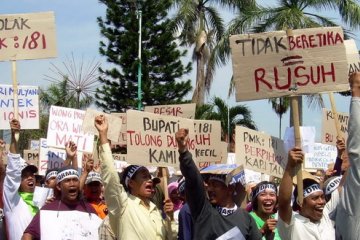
[[312, 222], [19, 186]]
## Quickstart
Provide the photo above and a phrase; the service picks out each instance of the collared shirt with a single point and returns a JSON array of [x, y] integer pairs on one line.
[[129, 218], [301, 227], [105, 231], [100, 208]]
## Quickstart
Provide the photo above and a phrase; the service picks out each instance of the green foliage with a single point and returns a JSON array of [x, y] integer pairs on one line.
[[201, 26], [33, 134], [160, 59], [59, 95]]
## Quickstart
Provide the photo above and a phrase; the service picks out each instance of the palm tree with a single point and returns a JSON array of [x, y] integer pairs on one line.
[[288, 14], [200, 25], [280, 106], [228, 116], [60, 95], [76, 79]]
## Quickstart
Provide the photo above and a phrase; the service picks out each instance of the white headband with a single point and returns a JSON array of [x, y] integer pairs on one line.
[[263, 188], [132, 170], [50, 175], [69, 173], [93, 177], [311, 189], [332, 185]]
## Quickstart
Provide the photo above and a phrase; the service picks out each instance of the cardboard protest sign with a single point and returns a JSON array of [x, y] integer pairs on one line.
[[34, 145], [151, 138], [120, 165], [119, 157], [307, 138], [53, 157], [260, 152], [27, 36], [28, 106], [114, 123], [234, 172], [252, 176], [267, 65], [55, 225], [328, 132], [122, 136], [5, 153], [41, 194], [224, 152], [320, 156], [65, 125], [32, 157], [176, 110], [231, 159], [222, 160], [352, 55], [205, 144]]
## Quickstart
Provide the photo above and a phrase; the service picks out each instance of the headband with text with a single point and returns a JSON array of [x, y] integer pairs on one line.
[[69, 173]]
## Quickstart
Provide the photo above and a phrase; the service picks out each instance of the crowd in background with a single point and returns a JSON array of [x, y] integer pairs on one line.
[[98, 202]]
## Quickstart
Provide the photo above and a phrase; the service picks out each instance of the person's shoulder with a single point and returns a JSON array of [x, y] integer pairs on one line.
[[51, 206], [88, 207], [242, 211], [243, 214]]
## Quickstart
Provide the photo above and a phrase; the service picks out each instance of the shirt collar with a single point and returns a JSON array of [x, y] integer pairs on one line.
[[305, 219], [139, 202]]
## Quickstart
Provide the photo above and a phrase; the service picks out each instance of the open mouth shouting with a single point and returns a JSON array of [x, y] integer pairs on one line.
[[149, 187], [30, 183], [268, 206], [319, 210], [73, 192]]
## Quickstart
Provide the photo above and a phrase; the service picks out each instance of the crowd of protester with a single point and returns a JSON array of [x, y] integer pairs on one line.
[[98, 202]]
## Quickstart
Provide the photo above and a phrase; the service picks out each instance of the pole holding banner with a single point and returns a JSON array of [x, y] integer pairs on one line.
[[335, 115], [294, 105], [15, 94], [164, 179], [295, 115]]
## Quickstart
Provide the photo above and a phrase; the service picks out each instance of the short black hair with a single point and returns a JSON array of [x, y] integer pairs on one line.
[[254, 202], [306, 183]]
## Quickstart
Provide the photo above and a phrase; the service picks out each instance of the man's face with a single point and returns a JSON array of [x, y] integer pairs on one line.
[[27, 183], [266, 202], [141, 184], [69, 189], [217, 192], [92, 191], [51, 182], [313, 206]]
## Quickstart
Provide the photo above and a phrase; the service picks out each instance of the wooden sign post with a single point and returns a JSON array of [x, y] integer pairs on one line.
[[32, 38], [289, 63], [15, 94]]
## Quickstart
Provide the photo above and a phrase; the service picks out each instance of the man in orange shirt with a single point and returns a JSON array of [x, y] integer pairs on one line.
[[91, 185], [92, 192]]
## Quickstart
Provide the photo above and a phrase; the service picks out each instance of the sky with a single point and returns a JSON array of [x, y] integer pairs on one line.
[[78, 34]]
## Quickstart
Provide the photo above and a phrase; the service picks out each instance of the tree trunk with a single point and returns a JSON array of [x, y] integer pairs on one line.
[[199, 93], [280, 125]]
